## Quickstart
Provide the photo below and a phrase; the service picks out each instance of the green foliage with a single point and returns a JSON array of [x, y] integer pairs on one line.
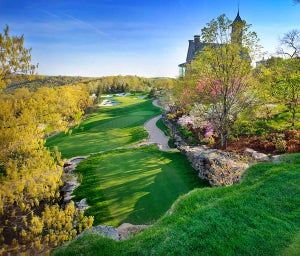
[[34, 82], [259, 216], [14, 57], [98, 86], [286, 85], [171, 142], [186, 133], [220, 76], [160, 124], [30, 175]]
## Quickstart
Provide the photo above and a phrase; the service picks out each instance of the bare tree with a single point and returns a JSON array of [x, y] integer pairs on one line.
[[290, 44]]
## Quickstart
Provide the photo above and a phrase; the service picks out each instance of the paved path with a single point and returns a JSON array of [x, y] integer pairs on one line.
[[156, 136]]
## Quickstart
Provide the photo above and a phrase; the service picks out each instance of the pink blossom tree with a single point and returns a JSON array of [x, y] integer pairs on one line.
[[220, 76]]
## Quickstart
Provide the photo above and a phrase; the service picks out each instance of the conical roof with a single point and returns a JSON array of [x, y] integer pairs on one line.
[[237, 18]]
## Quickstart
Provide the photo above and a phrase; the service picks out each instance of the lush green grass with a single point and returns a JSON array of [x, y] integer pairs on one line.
[[108, 128], [259, 216], [134, 185], [160, 124]]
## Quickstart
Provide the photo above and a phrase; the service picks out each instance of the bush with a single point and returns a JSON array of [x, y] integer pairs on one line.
[[280, 145], [293, 146], [171, 143]]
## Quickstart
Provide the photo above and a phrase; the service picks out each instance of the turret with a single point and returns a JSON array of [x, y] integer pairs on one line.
[[237, 27]]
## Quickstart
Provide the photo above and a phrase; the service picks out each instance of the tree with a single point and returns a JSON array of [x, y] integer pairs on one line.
[[286, 85], [290, 44], [31, 220], [14, 57], [220, 76], [286, 82]]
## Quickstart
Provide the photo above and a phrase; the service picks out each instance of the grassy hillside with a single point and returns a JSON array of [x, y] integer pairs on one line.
[[259, 216], [107, 128]]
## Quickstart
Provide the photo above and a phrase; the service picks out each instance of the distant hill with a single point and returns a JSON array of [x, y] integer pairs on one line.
[[32, 83], [97, 85]]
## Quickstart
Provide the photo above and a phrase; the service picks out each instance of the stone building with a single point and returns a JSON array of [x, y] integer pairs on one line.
[[195, 45]]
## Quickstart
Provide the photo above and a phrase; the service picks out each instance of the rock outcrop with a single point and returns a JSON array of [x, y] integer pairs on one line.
[[256, 156], [126, 230], [123, 232], [71, 182], [218, 167]]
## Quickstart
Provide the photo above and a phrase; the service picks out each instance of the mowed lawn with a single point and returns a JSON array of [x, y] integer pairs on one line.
[[107, 128], [258, 216], [134, 185]]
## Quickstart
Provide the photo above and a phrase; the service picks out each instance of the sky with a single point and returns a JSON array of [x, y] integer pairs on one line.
[[147, 38]]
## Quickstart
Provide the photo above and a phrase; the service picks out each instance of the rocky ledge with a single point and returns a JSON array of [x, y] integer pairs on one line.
[[123, 232], [71, 182], [222, 168]]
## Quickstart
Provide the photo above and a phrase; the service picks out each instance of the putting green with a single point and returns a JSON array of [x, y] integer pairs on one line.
[[134, 185]]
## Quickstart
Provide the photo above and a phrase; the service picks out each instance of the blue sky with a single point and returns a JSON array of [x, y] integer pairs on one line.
[[131, 37]]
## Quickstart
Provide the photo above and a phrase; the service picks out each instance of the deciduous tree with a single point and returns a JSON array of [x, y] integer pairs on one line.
[[290, 44], [14, 57], [220, 76], [31, 219]]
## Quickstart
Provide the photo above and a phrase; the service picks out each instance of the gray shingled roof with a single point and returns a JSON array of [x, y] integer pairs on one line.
[[193, 48]]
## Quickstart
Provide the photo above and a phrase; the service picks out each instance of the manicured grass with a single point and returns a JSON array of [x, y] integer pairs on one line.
[[107, 128], [160, 124], [134, 185], [259, 216]]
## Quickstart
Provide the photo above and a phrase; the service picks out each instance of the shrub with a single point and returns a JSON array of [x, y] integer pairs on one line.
[[171, 142], [279, 142], [293, 146]]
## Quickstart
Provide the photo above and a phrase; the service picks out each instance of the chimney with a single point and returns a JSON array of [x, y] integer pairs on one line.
[[197, 42]]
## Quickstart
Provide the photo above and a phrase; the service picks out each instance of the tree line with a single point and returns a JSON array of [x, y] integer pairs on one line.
[[32, 219], [97, 86]]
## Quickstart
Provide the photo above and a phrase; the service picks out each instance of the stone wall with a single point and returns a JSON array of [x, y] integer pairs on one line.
[[218, 167], [179, 141]]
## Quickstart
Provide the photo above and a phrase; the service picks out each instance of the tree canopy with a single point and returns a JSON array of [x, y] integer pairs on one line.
[[14, 57], [31, 219], [220, 76]]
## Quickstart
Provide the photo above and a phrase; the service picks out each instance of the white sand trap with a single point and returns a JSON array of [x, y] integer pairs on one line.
[[109, 103]]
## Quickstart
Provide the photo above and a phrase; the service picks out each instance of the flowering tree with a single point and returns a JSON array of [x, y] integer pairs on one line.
[[220, 76]]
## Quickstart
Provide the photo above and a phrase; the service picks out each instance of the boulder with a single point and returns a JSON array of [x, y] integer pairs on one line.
[[258, 157], [127, 229], [123, 232], [106, 231], [82, 205], [218, 167]]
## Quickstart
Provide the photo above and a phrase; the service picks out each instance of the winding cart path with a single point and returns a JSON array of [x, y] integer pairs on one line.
[[156, 136]]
